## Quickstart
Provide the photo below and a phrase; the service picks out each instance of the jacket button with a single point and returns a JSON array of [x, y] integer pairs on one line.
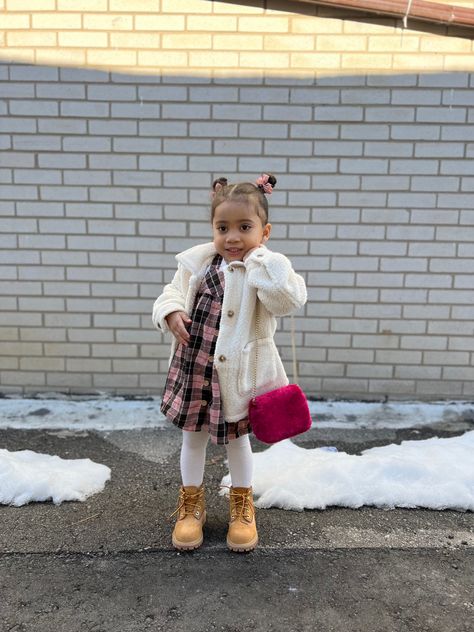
[[222, 358], [211, 358], [230, 313], [206, 383], [203, 402]]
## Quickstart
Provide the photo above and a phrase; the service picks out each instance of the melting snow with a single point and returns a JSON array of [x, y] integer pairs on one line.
[[433, 473], [26, 476]]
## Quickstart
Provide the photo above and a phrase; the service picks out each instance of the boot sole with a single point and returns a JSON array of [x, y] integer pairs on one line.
[[243, 548], [189, 546]]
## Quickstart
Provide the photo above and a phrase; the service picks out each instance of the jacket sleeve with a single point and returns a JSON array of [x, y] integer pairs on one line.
[[279, 287], [172, 299]]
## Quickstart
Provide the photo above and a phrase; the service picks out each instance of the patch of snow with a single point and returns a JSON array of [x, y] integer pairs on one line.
[[122, 414], [432, 473], [354, 414], [92, 414], [27, 476]]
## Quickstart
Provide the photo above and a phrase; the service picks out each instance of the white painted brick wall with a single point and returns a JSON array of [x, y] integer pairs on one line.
[[104, 177]]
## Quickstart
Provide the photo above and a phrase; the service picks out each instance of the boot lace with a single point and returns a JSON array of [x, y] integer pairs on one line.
[[241, 503], [188, 500]]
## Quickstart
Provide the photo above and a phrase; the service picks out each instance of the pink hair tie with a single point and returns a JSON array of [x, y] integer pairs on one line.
[[262, 183]]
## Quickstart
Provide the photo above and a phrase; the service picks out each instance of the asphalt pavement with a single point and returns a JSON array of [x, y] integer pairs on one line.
[[107, 564]]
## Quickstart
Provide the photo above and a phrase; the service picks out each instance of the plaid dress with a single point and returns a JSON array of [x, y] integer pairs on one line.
[[191, 396]]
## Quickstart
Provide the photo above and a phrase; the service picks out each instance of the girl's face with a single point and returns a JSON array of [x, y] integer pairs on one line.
[[237, 229]]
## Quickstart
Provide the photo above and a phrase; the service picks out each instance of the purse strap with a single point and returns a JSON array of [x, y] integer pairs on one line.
[[293, 348]]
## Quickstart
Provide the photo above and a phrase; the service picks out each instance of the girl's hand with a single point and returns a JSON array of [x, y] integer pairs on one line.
[[176, 322]]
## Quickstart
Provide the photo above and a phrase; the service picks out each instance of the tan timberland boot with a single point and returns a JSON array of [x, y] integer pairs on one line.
[[242, 534], [191, 510]]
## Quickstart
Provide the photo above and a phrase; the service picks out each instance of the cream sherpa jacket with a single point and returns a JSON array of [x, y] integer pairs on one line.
[[266, 274]]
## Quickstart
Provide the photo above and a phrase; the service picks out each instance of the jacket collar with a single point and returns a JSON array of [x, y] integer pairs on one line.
[[196, 257]]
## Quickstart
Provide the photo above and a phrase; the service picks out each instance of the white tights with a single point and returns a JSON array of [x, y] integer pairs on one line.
[[193, 458]]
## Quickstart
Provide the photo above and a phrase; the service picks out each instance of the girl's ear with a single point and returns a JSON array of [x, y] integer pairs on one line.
[[266, 233]]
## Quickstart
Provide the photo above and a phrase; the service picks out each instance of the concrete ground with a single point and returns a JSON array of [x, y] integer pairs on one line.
[[107, 564]]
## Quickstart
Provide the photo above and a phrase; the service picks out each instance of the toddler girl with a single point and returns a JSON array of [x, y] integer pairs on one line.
[[209, 307]]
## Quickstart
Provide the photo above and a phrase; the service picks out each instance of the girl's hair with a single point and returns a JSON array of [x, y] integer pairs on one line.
[[243, 192]]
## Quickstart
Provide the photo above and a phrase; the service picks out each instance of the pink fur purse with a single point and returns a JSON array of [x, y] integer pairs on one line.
[[281, 413]]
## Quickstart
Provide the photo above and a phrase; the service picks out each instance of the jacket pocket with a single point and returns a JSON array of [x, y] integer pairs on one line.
[[267, 365]]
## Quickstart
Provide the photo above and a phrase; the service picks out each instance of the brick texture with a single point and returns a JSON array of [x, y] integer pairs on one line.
[[117, 115]]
